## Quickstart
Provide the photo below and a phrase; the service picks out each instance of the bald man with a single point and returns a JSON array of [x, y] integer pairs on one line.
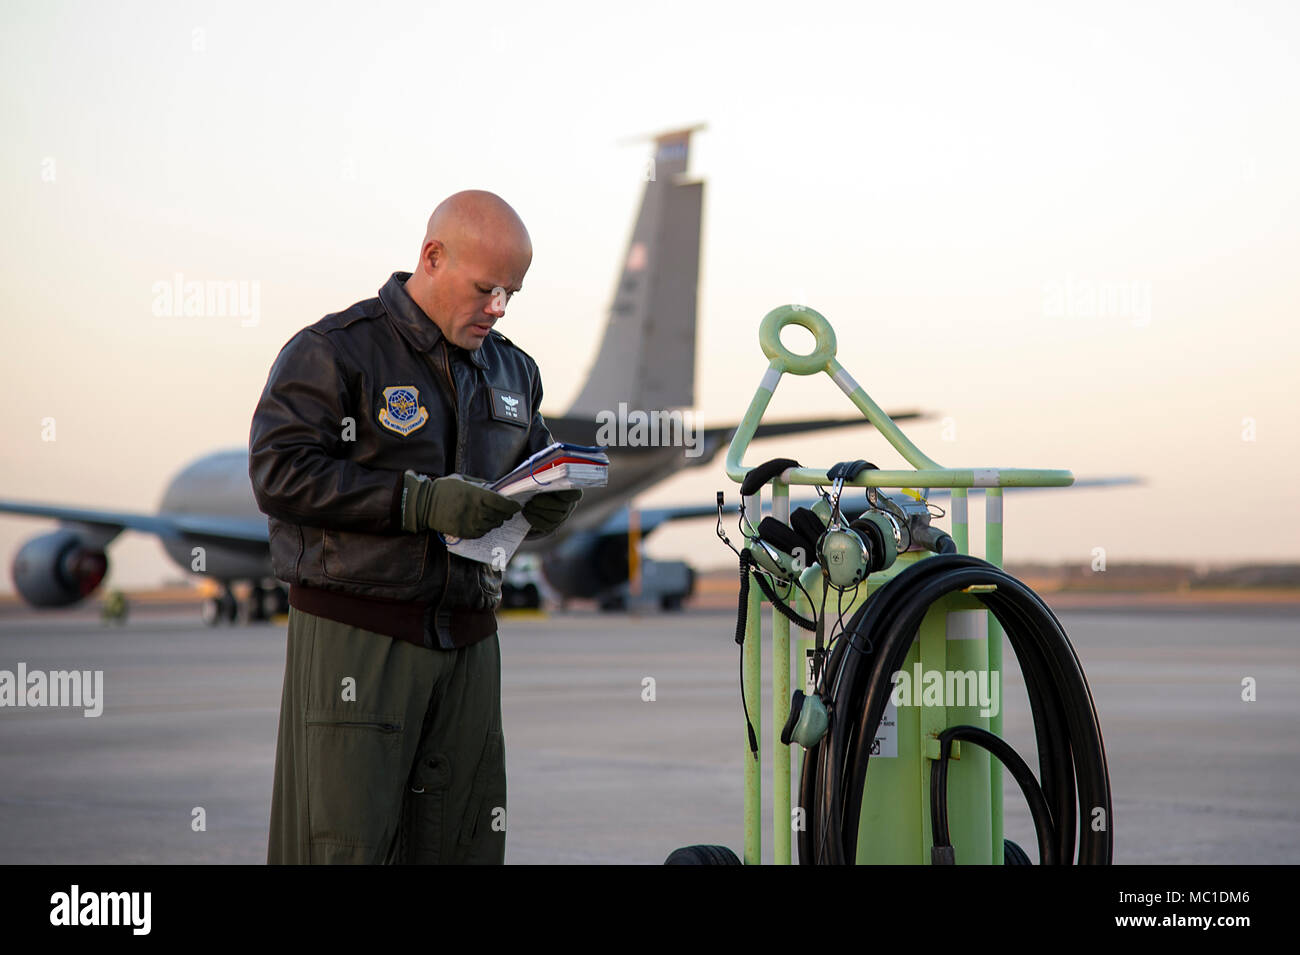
[[376, 435]]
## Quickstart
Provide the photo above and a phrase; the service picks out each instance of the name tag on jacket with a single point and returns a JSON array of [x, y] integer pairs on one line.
[[510, 406]]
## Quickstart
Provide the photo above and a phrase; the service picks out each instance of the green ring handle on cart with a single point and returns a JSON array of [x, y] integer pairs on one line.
[[784, 360]]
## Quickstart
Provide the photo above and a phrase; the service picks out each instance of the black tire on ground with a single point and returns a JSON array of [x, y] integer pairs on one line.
[[1012, 854], [229, 608], [210, 612], [265, 602], [515, 598], [260, 604], [703, 855]]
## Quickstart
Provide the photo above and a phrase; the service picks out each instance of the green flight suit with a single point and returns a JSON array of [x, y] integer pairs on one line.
[[387, 752]]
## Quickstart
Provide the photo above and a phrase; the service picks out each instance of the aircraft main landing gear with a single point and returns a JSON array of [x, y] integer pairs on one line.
[[263, 603], [223, 607]]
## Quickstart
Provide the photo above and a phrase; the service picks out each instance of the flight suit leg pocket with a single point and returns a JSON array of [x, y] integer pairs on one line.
[[354, 779], [424, 815], [482, 833]]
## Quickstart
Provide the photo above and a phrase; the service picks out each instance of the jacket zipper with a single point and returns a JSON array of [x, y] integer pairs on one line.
[[455, 410], [455, 400]]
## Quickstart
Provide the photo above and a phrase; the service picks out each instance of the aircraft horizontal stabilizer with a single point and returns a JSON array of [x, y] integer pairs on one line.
[[650, 518]]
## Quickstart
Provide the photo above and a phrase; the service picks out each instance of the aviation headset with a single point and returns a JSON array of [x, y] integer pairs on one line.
[[846, 552]]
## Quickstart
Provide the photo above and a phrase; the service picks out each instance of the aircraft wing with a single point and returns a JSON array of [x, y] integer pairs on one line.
[[775, 429], [583, 430], [196, 527]]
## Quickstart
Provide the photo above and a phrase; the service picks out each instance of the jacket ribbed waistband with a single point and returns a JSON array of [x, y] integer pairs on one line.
[[408, 620]]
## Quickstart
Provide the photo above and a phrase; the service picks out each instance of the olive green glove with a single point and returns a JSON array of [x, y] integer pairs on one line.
[[547, 511], [452, 505]]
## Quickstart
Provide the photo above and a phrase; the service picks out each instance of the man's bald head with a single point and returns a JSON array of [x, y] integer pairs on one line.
[[476, 216], [475, 254]]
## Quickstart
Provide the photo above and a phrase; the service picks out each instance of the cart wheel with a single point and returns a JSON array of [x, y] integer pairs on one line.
[[1012, 854], [703, 855]]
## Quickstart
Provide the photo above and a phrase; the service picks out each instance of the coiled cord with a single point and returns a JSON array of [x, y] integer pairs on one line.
[[859, 675]]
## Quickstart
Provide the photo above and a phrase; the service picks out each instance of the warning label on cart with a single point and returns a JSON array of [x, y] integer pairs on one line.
[[886, 742]]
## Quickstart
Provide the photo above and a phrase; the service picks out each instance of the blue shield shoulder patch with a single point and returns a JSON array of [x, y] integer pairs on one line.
[[402, 412]]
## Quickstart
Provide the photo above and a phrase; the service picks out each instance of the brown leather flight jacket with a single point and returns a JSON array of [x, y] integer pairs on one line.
[[351, 403]]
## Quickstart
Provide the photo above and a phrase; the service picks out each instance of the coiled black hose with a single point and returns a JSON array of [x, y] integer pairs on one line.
[[858, 683], [941, 847]]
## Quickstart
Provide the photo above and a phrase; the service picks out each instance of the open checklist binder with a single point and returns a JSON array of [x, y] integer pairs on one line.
[[559, 467]]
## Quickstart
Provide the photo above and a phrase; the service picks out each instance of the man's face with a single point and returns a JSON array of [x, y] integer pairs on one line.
[[473, 282]]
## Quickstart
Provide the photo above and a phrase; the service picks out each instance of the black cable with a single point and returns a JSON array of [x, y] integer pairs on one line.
[[743, 611], [861, 743], [1072, 761], [780, 604], [807, 596], [741, 617], [1023, 775], [749, 725], [838, 631]]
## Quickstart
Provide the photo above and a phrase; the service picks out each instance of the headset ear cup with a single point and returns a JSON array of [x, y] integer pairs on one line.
[[808, 526], [770, 559], [779, 535], [844, 558], [870, 535], [796, 705], [875, 529], [863, 555]]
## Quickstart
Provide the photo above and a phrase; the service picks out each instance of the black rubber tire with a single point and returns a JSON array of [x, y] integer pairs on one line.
[[703, 855], [1012, 854], [210, 612]]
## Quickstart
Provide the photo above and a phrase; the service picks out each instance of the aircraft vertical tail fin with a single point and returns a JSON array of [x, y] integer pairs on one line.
[[647, 355]]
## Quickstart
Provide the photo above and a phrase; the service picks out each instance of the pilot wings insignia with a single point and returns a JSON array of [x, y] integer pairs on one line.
[[509, 406]]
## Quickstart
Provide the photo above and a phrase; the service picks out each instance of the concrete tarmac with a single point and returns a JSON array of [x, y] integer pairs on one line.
[[598, 775]]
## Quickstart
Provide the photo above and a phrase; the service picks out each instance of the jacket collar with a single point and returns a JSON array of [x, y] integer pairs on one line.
[[416, 327]]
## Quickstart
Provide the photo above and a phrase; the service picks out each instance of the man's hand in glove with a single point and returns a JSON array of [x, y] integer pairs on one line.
[[548, 510], [453, 505]]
